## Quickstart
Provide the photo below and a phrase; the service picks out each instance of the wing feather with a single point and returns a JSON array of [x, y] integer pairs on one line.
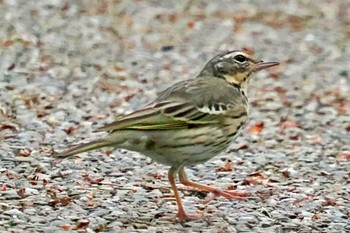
[[162, 116], [183, 105]]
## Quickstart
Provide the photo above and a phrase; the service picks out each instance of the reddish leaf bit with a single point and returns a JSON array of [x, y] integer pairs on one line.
[[274, 75], [108, 152], [297, 204], [24, 152], [65, 201], [347, 128], [343, 156], [329, 202], [65, 7], [3, 187], [316, 140], [240, 162], [232, 187], [21, 192], [315, 217], [257, 128], [286, 174], [45, 182], [280, 90], [254, 179], [69, 131], [226, 168], [92, 205], [243, 147], [8, 43], [11, 67], [289, 124], [66, 227], [34, 180], [190, 25], [157, 176], [296, 137], [91, 180], [13, 175], [342, 108], [41, 114], [249, 51], [97, 67], [308, 198], [82, 224], [119, 69], [8, 126]]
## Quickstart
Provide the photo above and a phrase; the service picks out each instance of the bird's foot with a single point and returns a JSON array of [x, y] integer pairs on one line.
[[182, 217], [229, 194]]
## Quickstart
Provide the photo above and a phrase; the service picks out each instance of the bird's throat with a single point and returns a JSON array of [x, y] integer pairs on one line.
[[238, 80]]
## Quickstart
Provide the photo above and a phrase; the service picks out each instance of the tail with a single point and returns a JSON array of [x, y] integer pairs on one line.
[[83, 148]]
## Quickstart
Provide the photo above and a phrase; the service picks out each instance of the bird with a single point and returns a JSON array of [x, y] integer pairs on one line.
[[188, 123]]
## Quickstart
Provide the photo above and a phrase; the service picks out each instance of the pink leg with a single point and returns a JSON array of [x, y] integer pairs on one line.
[[229, 194], [181, 214]]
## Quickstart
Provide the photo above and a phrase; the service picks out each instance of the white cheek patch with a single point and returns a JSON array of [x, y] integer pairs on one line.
[[212, 110]]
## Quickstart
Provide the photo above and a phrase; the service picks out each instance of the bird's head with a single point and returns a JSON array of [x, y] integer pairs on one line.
[[235, 67]]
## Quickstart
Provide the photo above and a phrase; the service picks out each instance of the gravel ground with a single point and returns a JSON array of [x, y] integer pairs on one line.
[[68, 67]]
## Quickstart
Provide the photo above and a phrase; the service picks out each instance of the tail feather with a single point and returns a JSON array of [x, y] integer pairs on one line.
[[83, 148]]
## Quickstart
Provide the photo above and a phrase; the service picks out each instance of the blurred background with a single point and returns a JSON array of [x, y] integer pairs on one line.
[[68, 67]]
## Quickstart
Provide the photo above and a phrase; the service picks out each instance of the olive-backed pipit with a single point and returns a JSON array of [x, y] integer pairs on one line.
[[190, 122]]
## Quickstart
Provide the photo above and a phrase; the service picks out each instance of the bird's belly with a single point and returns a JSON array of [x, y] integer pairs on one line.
[[182, 146]]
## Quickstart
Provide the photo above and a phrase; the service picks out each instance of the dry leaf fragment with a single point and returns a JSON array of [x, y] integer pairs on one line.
[[82, 224], [343, 156], [3, 187], [347, 128], [21, 192], [254, 179], [157, 176], [24, 152], [10, 126], [257, 128], [227, 167], [91, 180], [289, 124], [66, 227], [342, 108], [70, 130], [315, 217], [329, 202], [249, 51]]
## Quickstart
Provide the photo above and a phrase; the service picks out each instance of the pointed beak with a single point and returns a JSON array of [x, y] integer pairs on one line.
[[264, 65]]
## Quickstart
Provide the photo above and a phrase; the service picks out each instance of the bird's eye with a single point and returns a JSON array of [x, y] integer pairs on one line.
[[240, 58]]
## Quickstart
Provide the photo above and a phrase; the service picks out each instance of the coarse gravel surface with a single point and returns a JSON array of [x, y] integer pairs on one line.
[[69, 67]]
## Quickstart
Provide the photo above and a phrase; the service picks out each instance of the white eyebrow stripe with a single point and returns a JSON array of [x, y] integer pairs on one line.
[[232, 54]]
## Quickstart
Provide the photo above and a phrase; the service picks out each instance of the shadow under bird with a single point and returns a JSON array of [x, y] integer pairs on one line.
[[188, 123]]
